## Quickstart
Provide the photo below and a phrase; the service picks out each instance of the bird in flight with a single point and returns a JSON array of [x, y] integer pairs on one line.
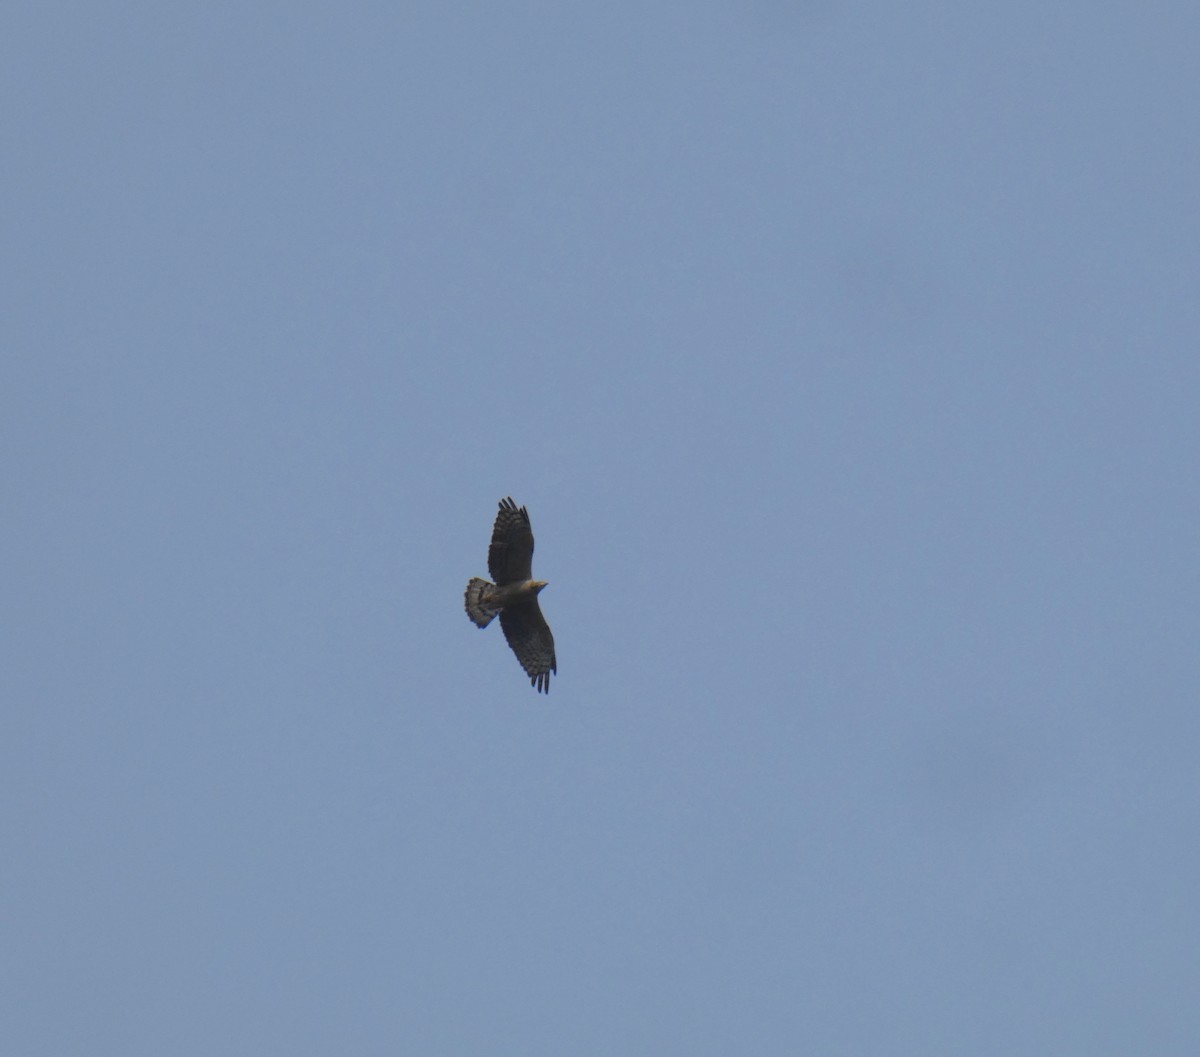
[[514, 595]]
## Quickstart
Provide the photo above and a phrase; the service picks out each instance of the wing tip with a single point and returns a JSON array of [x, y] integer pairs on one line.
[[508, 505]]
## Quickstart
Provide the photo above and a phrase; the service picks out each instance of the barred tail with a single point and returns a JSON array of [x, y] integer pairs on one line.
[[480, 607]]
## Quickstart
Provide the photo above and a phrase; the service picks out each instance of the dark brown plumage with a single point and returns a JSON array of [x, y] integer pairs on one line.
[[514, 595]]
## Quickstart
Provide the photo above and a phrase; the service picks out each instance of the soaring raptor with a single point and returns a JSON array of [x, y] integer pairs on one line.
[[514, 595]]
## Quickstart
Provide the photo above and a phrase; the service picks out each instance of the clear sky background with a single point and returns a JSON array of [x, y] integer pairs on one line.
[[847, 357]]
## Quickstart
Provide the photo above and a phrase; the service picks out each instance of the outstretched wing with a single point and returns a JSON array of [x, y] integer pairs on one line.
[[529, 636], [510, 557]]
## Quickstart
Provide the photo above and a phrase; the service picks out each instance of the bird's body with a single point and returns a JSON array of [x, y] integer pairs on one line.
[[514, 595], [485, 600]]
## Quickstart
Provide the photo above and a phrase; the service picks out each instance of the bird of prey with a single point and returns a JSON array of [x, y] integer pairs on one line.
[[514, 595]]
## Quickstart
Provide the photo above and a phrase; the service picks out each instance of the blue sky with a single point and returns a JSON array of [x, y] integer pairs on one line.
[[846, 358]]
